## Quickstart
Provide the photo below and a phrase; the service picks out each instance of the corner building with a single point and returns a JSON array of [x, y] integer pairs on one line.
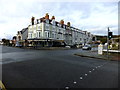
[[48, 32]]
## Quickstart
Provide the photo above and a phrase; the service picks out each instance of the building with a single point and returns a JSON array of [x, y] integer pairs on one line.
[[48, 32]]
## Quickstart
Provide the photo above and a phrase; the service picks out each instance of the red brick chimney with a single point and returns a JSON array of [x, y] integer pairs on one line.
[[62, 22], [47, 16], [53, 17], [68, 24], [32, 20]]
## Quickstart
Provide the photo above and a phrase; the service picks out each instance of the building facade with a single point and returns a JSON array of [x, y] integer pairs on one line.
[[48, 32]]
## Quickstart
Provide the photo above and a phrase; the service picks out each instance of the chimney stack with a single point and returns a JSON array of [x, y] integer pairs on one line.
[[32, 20], [62, 22], [53, 17], [68, 24], [47, 16]]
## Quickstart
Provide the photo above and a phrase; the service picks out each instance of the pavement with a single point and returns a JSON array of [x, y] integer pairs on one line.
[[104, 56], [46, 48]]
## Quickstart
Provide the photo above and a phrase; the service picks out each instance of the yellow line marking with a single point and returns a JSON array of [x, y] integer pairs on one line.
[[2, 85]]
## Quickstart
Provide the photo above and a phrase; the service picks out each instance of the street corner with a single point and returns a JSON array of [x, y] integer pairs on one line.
[[2, 87], [92, 56]]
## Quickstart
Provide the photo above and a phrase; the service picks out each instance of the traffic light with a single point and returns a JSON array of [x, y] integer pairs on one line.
[[110, 35]]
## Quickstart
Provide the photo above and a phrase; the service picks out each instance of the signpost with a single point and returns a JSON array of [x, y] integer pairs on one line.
[[109, 36]]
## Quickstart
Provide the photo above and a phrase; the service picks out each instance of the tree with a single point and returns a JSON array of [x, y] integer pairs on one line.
[[4, 41], [103, 40], [14, 37]]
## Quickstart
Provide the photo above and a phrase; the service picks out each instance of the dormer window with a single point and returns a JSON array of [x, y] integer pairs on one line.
[[47, 21], [53, 22]]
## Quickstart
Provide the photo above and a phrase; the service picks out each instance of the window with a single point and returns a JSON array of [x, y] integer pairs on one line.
[[30, 35], [46, 34], [47, 27], [38, 34], [53, 22], [47, 21], [59, 30], [53, 28], [80, 39], [53, 35]]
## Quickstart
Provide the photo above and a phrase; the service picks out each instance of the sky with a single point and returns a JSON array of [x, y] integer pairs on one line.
[[87, 15]]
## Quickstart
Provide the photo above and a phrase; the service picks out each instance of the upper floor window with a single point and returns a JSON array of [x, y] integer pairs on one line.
[[30, 35], [80, 39], [53, 35], [53, 22], [47, 27], [53, 28], [47, 21], [38, 34], [46, 34]]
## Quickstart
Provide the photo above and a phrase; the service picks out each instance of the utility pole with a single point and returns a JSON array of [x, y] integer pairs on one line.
[[108, 43]]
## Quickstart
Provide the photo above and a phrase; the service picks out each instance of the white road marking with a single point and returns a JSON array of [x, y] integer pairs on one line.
[[74, 82], [66, 87], [81, 78], [98, 66], [93, 69], [89, 71], [85, 74]]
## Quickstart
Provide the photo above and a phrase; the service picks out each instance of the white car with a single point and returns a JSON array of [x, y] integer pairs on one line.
[[67, 46], [86, 47]]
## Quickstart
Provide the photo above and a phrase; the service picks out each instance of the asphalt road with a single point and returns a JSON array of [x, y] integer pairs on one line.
[[25, 68]]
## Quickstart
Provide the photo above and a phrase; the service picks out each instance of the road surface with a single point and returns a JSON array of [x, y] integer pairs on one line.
[[25, 68]]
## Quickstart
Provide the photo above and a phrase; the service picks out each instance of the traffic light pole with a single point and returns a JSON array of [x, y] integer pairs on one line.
[[108, 44]]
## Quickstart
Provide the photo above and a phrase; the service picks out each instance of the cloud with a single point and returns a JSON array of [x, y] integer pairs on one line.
[[91, 16]]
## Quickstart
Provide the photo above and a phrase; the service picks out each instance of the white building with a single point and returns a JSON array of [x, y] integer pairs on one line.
[[48, 32]]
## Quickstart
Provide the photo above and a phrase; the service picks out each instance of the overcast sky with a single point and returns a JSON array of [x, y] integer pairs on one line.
[[87, 15]]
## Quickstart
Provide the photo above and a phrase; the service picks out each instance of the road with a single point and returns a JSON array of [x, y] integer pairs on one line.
[[25, 68]]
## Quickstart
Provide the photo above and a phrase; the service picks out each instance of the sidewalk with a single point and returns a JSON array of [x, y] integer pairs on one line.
[[46, 48], [94, 54]]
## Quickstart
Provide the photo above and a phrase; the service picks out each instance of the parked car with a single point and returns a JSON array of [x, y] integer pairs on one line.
[[67, 46], [87, 47]]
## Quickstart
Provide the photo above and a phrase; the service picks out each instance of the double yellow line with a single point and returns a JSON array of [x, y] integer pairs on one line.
[[2, 86]]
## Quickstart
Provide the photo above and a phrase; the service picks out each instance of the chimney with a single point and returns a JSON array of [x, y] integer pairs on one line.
[[47, 16], [62, 22], [18, 32], [68, 24], [53, 17], [32, 20]]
